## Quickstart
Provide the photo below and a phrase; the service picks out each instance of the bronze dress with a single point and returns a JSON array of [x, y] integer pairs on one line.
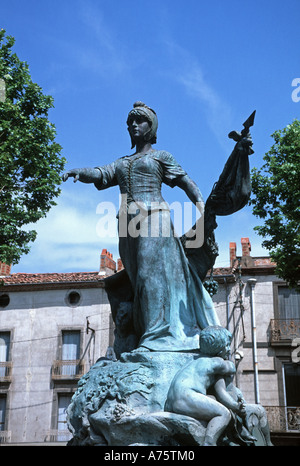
[[170, 303]]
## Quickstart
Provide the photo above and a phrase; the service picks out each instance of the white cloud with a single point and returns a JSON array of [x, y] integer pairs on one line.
[[68, 239]]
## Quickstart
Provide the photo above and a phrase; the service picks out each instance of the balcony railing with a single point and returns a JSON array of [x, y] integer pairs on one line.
[[5, 371], [283, 418], [58, 435], [72, 369], [284, 330], [5, 436]]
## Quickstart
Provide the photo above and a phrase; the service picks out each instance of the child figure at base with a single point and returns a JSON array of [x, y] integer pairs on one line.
[[188, 392]]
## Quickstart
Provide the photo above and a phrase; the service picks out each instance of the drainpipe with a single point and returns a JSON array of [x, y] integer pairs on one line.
[[252, 282]]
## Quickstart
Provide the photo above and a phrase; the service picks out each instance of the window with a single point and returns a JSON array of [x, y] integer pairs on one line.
[[288, 303], [4, 300], [69, 366], [70, 351], [292, 396], [2, 412], [292, 384], [4, 352], [63, 434], [73, 298], [70, 344]]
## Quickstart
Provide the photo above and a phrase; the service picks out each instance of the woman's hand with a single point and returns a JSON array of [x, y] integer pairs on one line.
[[245, 144], [85, 175], [75, 172]]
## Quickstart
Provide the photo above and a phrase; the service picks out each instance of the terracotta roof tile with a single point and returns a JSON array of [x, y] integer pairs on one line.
[[36, 278], [94, 277]]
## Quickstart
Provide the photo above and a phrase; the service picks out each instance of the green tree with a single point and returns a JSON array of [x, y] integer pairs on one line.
[[276, 189], [30, 161]]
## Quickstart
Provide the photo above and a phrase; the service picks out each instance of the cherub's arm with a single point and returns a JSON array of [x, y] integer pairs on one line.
[[223, 396], [226, 399]]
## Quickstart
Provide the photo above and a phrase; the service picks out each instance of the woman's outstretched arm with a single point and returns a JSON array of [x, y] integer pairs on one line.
[[85, 175]]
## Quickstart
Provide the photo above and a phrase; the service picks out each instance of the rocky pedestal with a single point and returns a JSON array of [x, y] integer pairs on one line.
[[121, 403]]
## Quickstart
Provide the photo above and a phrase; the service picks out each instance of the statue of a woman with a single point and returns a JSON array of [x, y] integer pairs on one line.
[[170, 303]]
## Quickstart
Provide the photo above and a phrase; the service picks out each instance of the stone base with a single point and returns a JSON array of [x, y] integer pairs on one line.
[[155, 429], [122, 403]]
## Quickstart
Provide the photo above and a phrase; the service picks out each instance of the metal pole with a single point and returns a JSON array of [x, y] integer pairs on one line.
[[252, 282], [227, 303]]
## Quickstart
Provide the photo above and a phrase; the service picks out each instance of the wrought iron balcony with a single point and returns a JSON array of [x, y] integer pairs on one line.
[[72, 369], [58, 435], [5, 371], [283, 418], [5, 436], [284, 330]]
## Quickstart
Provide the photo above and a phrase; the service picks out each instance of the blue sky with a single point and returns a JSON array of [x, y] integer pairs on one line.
[[203, 66]]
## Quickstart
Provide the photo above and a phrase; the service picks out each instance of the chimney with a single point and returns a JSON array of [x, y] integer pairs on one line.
[[232, 253], [246, 247], [4, 269], [246, 260], [107, 264], [120, 265]]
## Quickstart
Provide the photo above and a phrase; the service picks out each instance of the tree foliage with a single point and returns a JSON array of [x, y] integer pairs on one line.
[[276, 189], [30, 161]]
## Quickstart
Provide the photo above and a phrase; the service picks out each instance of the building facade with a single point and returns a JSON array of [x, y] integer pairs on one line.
[[263, 315], [54, 327]]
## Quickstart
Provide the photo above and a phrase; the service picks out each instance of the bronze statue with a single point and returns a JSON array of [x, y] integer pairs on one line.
[[157, 390], [164, 274]]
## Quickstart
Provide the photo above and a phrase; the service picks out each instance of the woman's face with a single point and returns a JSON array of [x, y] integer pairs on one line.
[[138, 127]]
